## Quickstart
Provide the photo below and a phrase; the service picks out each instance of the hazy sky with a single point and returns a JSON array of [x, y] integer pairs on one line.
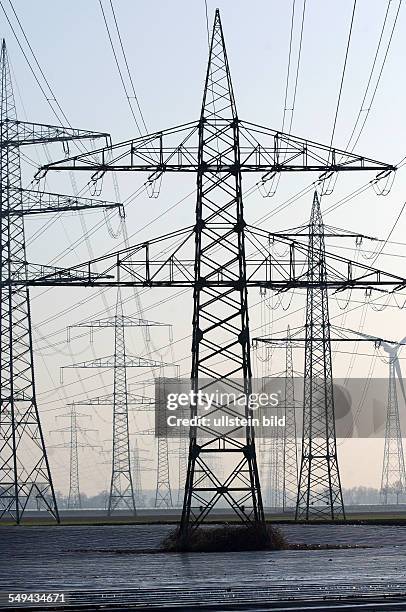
[[166, 47]]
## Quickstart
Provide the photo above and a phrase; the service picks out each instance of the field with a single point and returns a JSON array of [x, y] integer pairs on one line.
[[122, 565]]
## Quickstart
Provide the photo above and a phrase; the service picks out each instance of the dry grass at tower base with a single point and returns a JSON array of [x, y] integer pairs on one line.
[[226, 538]]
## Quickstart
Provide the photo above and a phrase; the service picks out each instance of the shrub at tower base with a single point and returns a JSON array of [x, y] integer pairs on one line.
[[226, 538]]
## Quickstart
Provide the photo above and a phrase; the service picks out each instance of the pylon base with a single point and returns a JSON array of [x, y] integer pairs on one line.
[[223, 538]]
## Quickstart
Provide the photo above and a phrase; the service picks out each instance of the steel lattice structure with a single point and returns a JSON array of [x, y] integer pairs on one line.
[[393, 481], [182, 468], [319, 492], [273, 461], [320, 403], [24, 467], [74, 498], [138, 459], [290, 451], [121, 485], [181, 454], [219, 147], [163, 491]]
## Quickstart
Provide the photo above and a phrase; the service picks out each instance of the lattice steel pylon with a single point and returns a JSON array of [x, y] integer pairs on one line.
[[275, 464], [24, 466], [74, 497], [182, 467], [393, 478], [319, 492], [393, 481], [138, 460], [220, 316], [218, 147], [179, 451], [121, 487], [163, 491], [290, 467]]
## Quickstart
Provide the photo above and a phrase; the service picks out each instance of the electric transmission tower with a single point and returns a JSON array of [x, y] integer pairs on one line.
[[275, 464], [219, 147], [393, 480], [348, 335], [24, 466], [319, 492], [163, 492], [289, 454], [180, 454], [121, 487], [74, 499], [139, 465], [182, 467], [281, 450]]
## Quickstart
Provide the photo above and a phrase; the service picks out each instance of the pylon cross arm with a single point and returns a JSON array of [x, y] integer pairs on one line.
[[141, 402], [143, 265], [261, 149], [111, 362], [124, 320], [22, 133], [34, 202]]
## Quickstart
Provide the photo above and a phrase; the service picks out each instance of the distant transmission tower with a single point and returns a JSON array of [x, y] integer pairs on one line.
[[74, 499], [121, 487], [281, 449], [180, 454], [393, 480], [24, 466], [182, 467], [163, 493], [139, 465], [289, 454], [276, 464], [319, 493]]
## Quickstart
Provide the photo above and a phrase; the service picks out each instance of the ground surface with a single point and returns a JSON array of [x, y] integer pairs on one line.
[[122, 563]]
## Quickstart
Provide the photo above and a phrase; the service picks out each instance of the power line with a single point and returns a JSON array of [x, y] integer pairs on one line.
[[119, 69], [128, 69], [48, 99], [368, 110], [343, 73]]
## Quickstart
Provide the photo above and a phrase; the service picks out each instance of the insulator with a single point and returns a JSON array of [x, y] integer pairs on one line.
[[153, 186], [390, 177], [112, 233], [96, 184], [66, 149], [268, 191], [328, 183]]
